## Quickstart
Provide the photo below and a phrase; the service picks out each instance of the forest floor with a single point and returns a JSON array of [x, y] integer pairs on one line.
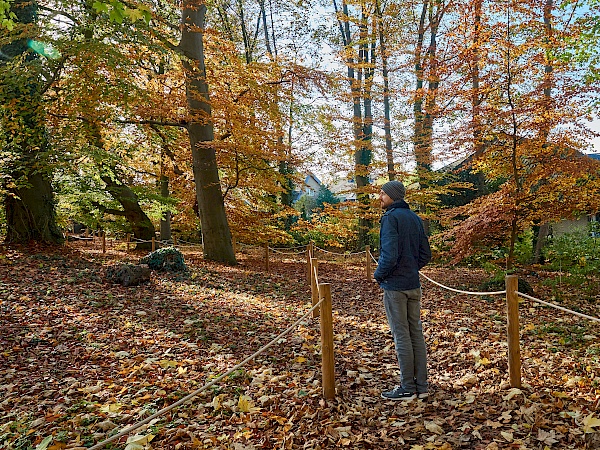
[[81, 359]]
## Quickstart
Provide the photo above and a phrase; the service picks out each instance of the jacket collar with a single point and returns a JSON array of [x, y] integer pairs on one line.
[[398, 204]]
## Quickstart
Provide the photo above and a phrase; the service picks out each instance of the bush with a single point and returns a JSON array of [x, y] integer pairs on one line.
[[165, 259], [577, 253], [578, 256]]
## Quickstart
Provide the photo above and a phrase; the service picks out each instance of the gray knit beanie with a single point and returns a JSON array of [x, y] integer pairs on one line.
[[395, 189]]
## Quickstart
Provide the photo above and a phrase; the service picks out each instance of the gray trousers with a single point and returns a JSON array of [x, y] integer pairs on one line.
[[403, 310]]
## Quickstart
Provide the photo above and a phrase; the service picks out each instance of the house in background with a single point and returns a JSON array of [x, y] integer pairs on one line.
[[582, 223], [344, 189], [310, 187]]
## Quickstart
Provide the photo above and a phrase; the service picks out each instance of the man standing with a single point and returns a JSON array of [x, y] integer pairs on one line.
[[404, 249]]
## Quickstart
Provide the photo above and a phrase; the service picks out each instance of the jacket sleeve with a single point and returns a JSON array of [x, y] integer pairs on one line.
[[388, 245], [424, 251]]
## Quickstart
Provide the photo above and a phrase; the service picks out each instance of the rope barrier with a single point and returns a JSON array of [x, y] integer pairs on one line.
[[275, 250], [558, 307], [372, 257], [183, 400], [338, 254], [463, 292]]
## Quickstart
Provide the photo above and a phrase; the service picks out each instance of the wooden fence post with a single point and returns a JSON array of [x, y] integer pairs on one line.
[[153, 243], [104, 242], [128, 240], [267, 256], [369, 269], [327, 360], [175, 241], [314, 287], [309, 255], [234, 244], [512, 324]]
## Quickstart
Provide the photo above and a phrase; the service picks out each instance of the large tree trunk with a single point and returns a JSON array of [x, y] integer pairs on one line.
[[30, 214], [215, 229], [362, 125], [29, 202]]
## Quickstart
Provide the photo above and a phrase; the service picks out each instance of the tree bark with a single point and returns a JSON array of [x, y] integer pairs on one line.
[[215, 229], [165, 220], [141, 225], [29, 203], [362, 125], [387, 123]]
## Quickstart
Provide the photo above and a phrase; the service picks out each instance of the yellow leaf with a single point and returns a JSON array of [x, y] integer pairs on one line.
[[559, 394], [166, 363], [111, 407], [245, 404], [300, 359], [590, 422]]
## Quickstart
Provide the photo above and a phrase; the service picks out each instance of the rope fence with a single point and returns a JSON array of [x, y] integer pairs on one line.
[[512, 319], [312, 264], [552, 305]]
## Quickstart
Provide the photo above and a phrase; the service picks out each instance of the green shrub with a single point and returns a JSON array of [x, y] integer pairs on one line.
[[165, 259], [577, 253]]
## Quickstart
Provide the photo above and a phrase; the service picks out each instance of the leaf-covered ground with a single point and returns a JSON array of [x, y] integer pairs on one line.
[[81, 359]]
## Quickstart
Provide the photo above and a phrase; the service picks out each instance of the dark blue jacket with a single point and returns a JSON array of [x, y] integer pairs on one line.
[[404, 248]]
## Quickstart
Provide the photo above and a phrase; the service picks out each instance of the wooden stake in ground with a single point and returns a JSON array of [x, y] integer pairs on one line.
[[103, 242], [327, 360], [314, 284], [267, 257], [368, 262], [309, 255], [512, 323]]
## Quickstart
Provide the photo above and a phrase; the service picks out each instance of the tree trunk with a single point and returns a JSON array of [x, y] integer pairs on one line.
[[29, 203], [165, 220], [30, 213], [541, 238], [215, 229], [548, 110], [141, 225], [387, 123], [362, 125]]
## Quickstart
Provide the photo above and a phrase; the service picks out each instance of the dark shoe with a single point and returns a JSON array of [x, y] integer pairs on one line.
[[398, 393]]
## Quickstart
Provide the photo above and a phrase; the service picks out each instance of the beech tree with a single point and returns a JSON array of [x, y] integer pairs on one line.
[[534, 101], [26, 186]]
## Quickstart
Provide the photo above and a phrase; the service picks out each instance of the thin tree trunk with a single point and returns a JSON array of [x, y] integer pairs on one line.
[[548, 107], [165, 220], [215, 229], [387, 123], [419, 116], [514, 148], [541, 238], [476, 119]]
